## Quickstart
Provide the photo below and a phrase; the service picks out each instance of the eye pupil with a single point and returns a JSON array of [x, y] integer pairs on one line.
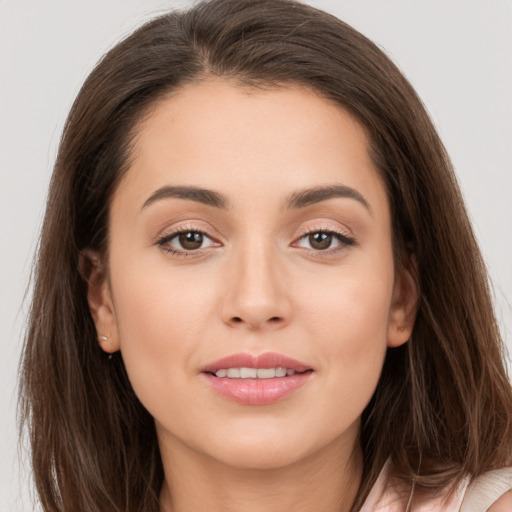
[[191, 240], [320, 240]]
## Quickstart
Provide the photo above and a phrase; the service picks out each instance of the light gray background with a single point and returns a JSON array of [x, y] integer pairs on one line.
[[457, 53]]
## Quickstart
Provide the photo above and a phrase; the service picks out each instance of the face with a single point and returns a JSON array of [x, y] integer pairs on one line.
[[252, 225]]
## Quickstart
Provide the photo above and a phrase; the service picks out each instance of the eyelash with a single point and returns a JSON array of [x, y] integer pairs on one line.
[[344, 240], [161, 242]]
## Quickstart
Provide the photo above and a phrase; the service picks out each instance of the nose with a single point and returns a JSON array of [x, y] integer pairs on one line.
[[256, 295]]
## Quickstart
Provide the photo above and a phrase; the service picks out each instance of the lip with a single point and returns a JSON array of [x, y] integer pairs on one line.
[[257, 391], [265, 360]]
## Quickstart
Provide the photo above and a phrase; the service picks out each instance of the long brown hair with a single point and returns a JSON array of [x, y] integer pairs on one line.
[[443, 407]]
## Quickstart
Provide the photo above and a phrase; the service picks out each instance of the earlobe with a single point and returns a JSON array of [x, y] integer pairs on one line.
[[404, 305], [99, 298]]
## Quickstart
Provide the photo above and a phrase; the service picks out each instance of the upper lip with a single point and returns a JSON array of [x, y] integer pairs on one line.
[[265, 360]]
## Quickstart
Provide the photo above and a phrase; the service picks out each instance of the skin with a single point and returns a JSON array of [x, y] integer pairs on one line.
[[504, 504], [256, 284]]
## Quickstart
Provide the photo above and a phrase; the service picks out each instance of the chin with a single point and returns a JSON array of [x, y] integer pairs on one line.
[[258, 457], [269, 449]]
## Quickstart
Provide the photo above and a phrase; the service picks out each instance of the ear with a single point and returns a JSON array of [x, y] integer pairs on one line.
[[404, 304], [99, 296]]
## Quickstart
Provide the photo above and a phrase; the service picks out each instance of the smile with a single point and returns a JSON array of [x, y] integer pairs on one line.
[[256, 380], [254, 373]]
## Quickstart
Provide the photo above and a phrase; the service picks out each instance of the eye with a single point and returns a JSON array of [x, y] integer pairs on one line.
[[185, 241], [324, 240]]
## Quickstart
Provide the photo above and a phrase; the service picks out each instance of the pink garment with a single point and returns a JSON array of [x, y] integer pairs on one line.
[[386, 496]]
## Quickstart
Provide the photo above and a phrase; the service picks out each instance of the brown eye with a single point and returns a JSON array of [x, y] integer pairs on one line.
[[320, 241], [325, 240], [191, 240], [183, 243]]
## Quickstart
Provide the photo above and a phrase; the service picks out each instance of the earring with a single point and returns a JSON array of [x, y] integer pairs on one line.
[[105, 339]]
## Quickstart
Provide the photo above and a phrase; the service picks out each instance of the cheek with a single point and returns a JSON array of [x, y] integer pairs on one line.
[[159, 324], [157, 303], [350, 325], [351, 305]]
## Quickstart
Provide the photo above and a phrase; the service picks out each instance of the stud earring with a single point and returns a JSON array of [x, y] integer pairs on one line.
[[105, 339]]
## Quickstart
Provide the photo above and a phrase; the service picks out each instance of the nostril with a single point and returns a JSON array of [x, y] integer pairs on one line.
[[236, 320]]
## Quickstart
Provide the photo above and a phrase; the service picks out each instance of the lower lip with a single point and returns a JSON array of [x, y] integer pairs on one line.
[[257, 391]]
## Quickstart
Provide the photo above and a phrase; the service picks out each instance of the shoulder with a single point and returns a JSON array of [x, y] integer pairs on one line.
[[503, 504], [491, 492]]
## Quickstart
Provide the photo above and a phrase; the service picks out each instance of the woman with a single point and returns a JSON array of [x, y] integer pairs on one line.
[[257, 285]]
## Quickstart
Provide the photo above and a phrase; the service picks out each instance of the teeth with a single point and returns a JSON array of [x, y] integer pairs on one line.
[[253, 373], [266, 373], [248, 373]]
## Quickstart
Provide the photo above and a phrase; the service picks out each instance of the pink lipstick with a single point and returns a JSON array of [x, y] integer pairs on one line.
[[256, 380]]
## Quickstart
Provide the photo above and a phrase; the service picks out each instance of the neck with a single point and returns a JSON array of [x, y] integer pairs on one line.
[[327, 481]]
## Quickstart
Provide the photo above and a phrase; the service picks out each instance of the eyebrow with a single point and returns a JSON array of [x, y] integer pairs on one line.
[[307, 197], [299, 199], [199, 195]]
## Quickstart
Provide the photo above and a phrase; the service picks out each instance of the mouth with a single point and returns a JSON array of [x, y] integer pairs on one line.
[[256, 380], [268, 365], [256, 373]]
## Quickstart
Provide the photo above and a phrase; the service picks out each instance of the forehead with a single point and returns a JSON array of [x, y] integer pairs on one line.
[[219, 134], [219, 111]]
